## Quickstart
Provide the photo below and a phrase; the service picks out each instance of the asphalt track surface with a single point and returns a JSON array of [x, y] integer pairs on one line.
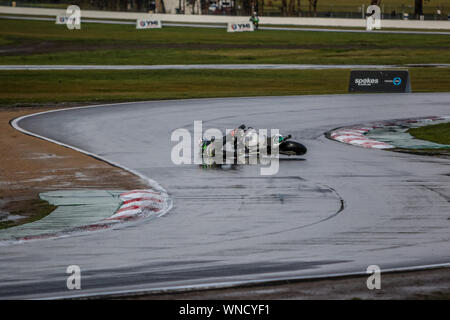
[[336, 210], [221, 26], [215, 67]]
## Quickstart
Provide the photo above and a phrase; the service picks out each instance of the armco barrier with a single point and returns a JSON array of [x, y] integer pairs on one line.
[[295, 21]]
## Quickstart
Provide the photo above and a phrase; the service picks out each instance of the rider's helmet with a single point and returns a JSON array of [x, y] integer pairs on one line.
[[239, 131], [277, 139]]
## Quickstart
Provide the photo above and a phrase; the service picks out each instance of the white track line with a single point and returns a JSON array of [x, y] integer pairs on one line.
[[155, 185], [209, 67]]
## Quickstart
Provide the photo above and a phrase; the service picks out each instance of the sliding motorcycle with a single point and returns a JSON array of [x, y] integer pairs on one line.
[[246, 141]]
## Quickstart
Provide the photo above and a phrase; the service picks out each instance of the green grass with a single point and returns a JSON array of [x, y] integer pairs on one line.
[[40, 87], [40, 42], [231, 56], [32, 210], [64, 86], [439, 133]]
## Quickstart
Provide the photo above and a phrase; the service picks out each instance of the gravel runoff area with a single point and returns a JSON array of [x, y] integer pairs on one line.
[[30, 166]]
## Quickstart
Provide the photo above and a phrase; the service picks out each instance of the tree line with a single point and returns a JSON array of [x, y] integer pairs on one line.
[[288, 7]]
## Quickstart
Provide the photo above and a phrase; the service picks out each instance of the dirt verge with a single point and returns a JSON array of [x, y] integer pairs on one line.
[[30, 165], [429, 284], [443, 153]]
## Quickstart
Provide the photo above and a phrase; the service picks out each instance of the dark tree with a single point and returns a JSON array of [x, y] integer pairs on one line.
[[313, 6], [284, 9], [418, 8]]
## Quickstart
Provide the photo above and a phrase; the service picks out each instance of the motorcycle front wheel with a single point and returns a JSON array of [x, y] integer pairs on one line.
[[292, 148]]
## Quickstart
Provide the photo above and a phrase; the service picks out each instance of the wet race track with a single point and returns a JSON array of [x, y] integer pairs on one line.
[[338, 209]]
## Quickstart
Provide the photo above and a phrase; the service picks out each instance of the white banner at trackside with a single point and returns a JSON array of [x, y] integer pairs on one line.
[[240, 27], [148, 24], [72, 18], [61, 19]]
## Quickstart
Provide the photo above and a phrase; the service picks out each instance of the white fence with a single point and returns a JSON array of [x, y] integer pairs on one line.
[[293, 21]]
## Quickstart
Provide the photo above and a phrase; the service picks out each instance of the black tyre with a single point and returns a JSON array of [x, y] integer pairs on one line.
[[292, 148]]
